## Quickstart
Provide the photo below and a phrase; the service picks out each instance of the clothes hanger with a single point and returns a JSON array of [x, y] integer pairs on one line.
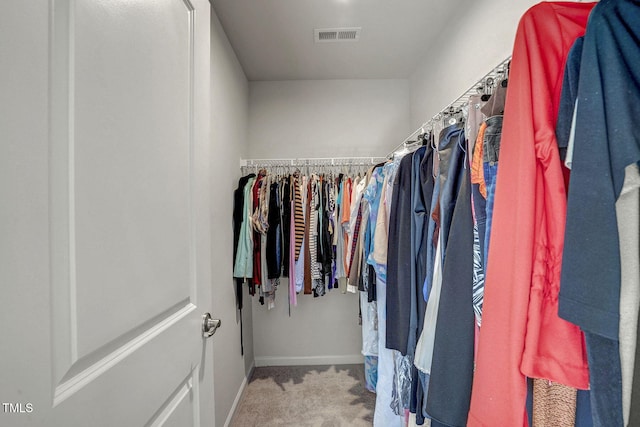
[[488, 88], [507, 68], [450, 117], [459, 115], [425, 137]]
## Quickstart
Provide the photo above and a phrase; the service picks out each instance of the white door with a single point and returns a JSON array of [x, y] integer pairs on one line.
[[104, 234]]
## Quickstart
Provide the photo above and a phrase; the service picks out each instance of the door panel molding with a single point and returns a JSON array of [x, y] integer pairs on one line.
[[186, 393], [84, 371]]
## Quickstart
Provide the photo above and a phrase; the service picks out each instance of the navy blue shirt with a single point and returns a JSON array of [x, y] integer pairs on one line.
[[607, 140], [399, 260]]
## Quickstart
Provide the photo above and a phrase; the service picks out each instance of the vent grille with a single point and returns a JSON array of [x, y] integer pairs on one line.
[[337, 34], [347, 35], [327, 35]]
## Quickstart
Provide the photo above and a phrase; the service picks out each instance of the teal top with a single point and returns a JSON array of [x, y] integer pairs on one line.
[[243, 267]]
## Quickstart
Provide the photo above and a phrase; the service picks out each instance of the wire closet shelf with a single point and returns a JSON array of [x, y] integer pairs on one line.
[[484, 85], [318, 163]]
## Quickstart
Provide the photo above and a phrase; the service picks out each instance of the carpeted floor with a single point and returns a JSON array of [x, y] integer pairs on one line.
[[306, 396]]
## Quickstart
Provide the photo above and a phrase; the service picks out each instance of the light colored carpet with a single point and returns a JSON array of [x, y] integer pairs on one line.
[[306, 396]]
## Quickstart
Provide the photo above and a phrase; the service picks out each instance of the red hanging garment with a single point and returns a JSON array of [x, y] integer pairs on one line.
[[521, 332]]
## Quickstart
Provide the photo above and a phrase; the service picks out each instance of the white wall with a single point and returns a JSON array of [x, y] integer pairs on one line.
[[320, 118], [320, 331], [479, 39], [229, 123], [327, 118]]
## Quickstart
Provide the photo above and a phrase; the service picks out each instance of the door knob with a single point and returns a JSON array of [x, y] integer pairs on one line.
[[209, 325]]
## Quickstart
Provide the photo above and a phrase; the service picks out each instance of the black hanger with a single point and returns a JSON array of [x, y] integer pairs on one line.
[[459, 115], [488, 86], [507, 69]]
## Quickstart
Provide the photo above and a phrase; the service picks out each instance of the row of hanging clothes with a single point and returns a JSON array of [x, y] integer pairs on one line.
[[294, 220], [290, 222], [507, 277], [427, 238]]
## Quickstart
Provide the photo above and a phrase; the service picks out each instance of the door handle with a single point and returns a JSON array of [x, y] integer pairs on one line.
[[209, 325]]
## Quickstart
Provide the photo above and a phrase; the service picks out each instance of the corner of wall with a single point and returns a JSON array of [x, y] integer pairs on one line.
[[447, 72], [229, 124], [239, 396]]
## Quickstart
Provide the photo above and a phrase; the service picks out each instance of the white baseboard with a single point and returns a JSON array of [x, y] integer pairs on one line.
[[239, 395], [309, 360]]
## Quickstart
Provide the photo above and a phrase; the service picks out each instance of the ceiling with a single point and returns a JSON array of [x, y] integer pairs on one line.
[[274, 39]]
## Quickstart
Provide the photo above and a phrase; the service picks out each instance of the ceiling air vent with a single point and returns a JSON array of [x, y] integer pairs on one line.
[[337, 34]]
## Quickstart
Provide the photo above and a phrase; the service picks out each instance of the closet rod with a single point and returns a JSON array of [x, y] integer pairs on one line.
[[318, 161], [499, 70]]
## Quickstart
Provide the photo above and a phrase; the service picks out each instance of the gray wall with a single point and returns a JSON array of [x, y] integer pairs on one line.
[[320, 331], [229, 123], [327, 118], [320, 118], [478, 39]]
